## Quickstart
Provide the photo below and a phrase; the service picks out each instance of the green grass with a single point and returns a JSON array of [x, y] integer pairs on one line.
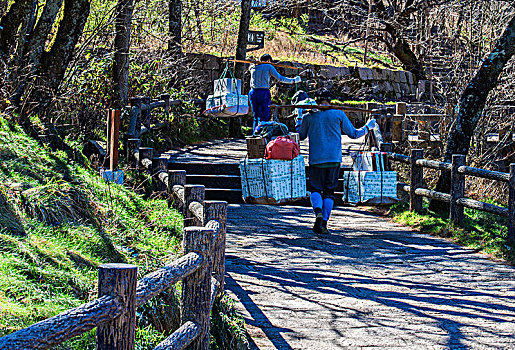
[[480, 230], [59, 222]]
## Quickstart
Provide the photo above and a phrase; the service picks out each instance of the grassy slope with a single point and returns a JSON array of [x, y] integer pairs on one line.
[[58, 223], [286, 39], [482, 231]]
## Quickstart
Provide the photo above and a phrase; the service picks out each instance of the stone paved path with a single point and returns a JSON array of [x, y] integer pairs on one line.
[[369, 285], [233, 150]]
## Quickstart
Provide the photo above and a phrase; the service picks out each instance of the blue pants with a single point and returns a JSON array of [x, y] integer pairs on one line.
[[260, 101]]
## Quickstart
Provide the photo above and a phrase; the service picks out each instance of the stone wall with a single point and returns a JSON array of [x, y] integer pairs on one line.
[[381, 84]]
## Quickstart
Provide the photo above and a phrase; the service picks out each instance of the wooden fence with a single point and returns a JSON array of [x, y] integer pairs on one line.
[[456, 198], [201, 270], [402, 122], [141, 107]]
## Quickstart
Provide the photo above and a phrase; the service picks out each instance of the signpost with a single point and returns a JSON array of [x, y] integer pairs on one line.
[[256, 37], [259, 4]]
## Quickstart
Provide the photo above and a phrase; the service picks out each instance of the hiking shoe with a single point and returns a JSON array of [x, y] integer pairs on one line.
[[323, 228], [317, 228]]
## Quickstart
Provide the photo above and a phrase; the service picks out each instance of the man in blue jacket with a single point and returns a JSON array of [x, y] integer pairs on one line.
[[259, 95], [324, 130]]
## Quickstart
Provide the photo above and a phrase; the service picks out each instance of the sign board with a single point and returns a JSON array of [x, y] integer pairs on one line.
[[256, 37], [259, 4]]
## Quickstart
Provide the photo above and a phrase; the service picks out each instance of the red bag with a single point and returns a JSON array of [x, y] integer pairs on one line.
[[283, 148]]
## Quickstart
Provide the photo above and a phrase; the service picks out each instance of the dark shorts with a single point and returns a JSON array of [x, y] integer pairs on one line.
[[324, 180]]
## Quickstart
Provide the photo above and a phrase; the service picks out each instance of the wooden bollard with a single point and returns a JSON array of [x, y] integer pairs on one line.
[[192, 193], [217, 210], [118, 280], [397, 126], [113, 137], [136, 102], [457, 188], [159, 167], [177, 177], [511, 205], [146, 153], [145, 117], [133, 146], [166, 99], [196, 288], [417, 180]]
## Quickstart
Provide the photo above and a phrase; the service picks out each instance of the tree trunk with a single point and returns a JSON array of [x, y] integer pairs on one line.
[[54, 62], [400, 47], [409, 60], [26, 28], [241, 54], [122, 39], [473, 100], [36, 44], [175, 26], [243, 34], [17, 14]]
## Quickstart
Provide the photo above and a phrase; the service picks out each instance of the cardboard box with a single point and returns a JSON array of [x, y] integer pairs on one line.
[[227, 86], [370, 187], [227, 105], [256, 146], [273, 181]]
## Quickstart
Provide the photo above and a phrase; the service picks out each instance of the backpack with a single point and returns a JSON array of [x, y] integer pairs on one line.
[[271, 129], [283, 148]]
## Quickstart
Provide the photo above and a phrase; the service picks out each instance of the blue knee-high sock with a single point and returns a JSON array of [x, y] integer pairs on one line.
[[316, 202], [327, 207]]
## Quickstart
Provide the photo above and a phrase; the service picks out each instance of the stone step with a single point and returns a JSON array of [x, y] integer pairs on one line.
[[230, 195], [215, 181], [205, 168]]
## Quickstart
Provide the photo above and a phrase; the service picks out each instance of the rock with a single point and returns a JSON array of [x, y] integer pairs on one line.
[[402, 76], [365, 73], [396, 76], [388, 87], [344, 72], [377, 74], [411, 78], [385, 74], [397, 87], [211, 62]]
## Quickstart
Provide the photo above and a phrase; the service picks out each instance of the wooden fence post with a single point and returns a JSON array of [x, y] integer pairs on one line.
[[176, 177], [118, 280], [166, 99], [398, 121], [511, 205], [113, 137], [217, 210], [145, 153], [136, 102], [457, 188], [417, 180], [192, 193], [133, 146], [145, 118], [159, 165], [196, 288]]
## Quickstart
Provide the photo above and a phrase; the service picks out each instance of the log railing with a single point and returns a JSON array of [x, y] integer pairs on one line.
[[141, 107], [201, 271], [456, 198]]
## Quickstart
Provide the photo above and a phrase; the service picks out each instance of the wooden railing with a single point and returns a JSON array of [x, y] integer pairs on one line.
[[201, 270], [456, 198], [140, 112]]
